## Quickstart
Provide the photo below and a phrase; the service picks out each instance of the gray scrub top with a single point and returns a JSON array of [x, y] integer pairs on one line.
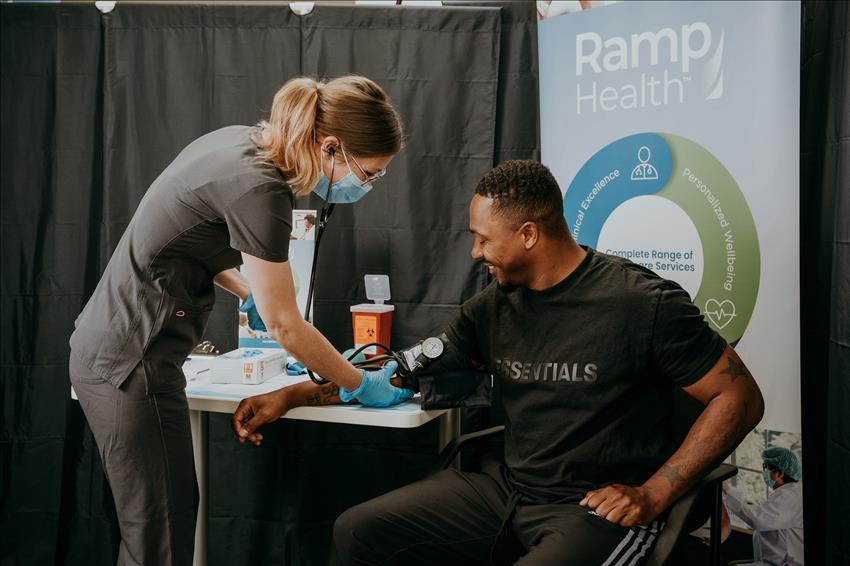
[[215, 200]]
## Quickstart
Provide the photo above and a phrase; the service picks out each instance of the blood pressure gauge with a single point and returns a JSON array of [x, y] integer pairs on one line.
[[432, 348], [422, 353]]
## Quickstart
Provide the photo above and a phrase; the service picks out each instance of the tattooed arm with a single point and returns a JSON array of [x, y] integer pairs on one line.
[[733, 407], [256, 411]]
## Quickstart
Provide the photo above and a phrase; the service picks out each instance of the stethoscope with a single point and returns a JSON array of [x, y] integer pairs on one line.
[[375, 362], [408, 360]]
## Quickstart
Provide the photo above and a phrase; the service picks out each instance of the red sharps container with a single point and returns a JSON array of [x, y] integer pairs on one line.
[[373, 322]]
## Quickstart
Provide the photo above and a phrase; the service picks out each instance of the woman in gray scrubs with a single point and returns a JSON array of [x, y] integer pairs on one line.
[[225, 200]]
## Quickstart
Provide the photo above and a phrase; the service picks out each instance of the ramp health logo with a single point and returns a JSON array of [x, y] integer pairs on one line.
[[648, 69]]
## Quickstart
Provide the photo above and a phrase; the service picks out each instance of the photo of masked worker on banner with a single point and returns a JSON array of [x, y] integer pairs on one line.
[[778, 522]]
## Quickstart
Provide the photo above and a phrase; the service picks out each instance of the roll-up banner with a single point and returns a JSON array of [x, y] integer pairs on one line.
[[673, 128]]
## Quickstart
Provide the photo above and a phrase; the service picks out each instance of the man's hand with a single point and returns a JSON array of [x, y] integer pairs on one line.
[[256, 411], [623, 505]]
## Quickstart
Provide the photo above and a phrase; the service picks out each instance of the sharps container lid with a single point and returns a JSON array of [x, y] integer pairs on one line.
[[377, 288]]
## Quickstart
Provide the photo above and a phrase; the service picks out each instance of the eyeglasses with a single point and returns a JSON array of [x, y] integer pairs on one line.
[[367, 179]]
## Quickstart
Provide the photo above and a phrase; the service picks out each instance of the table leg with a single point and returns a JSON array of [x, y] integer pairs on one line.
[[449, 430], [200, 434]]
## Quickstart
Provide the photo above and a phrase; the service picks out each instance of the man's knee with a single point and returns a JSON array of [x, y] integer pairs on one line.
[[352, 532]]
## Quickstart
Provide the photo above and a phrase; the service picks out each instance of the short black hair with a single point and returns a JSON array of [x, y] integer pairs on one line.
[[525, 191]]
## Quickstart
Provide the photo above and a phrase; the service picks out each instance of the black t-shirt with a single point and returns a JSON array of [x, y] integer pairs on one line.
[[215, 200], [585, 371]]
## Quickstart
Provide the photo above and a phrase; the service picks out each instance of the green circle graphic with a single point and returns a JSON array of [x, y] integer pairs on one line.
[[688, 175], [707, 192]]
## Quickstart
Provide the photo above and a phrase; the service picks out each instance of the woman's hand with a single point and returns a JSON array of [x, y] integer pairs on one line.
[[273, 291], [376, 390], [255, 322], [254, 412]]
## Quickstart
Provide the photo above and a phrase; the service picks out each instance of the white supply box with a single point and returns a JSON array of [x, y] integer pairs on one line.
[[247, 366]]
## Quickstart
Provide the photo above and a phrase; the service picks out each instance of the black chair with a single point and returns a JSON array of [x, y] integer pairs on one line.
[[686, 514]]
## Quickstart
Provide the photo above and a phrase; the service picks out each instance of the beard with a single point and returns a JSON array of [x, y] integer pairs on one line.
[[506, 287]]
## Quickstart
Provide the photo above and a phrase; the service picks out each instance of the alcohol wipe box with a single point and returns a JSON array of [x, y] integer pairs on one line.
[[247, 366]]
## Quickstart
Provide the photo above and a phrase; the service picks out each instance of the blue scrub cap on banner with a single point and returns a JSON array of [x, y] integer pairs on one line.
[[783, 459]]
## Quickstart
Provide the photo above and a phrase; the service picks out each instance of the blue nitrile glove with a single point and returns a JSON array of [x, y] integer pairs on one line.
[[376, 390], [249, 308]]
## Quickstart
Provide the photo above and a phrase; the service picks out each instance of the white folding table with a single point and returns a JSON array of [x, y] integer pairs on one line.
[[206, 397]]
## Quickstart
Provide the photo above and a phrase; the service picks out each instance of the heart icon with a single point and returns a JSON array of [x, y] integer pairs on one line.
[[720, 313]]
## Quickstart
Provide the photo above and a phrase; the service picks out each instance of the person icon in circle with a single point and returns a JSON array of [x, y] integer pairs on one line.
[[644, 171]]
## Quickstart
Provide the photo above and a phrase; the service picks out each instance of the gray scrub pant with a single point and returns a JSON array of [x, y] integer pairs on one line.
[[145, 442], [476, 518]]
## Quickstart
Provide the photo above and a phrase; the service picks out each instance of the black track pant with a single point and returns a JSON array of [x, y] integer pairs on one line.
[[458, 518]]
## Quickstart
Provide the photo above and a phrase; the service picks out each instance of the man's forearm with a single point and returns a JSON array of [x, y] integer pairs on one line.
[[724, 422], [311, 394], [308, 393], [254, 412]]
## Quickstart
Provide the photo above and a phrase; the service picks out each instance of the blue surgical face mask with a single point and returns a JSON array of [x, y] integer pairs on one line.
[[347, 190], [765, 475]]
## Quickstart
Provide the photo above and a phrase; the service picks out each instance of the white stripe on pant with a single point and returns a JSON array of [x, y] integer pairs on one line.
[[634, 545]]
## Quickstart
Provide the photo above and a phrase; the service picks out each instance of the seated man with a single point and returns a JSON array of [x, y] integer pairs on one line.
[[585, 349]]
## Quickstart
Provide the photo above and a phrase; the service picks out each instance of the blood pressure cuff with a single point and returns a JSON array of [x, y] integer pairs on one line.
[[460, 388], [452, 380]]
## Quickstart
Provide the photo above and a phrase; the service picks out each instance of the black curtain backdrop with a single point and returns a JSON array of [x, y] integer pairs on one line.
[[50, 209], [95, 106], [825, 278]]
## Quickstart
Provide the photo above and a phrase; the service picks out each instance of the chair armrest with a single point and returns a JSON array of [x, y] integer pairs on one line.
[[679, 512], [452, 448], [718, 475], [681, 509]]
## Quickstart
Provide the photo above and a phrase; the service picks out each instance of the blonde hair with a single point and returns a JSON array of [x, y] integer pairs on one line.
[[352, 108]]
